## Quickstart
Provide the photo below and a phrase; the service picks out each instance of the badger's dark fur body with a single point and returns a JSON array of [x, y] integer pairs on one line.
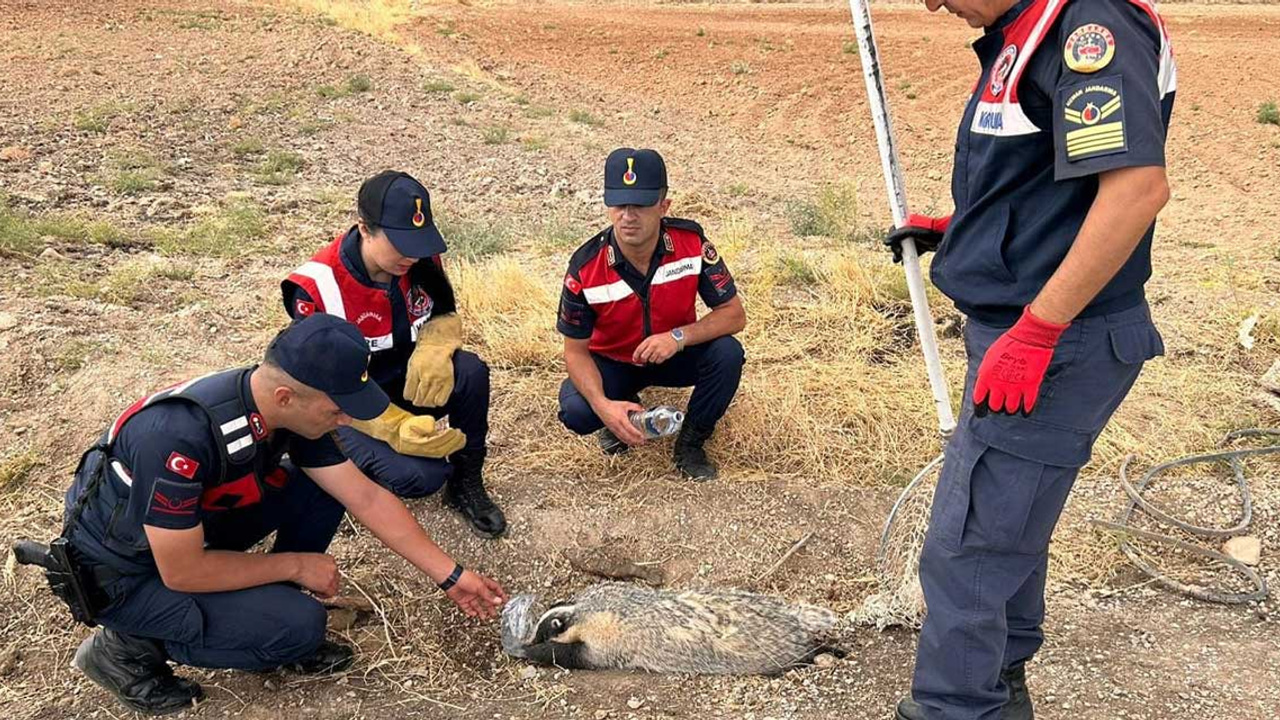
[[621, 626]]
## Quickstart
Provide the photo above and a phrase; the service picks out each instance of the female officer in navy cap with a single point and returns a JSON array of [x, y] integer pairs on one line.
[[1058, 177], [385, 275]]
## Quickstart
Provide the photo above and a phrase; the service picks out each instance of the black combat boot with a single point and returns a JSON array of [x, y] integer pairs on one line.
[[1019, 705], [136, 671], [908, 709], [609, 443], [330, 657], [690, 458], [465, 493]]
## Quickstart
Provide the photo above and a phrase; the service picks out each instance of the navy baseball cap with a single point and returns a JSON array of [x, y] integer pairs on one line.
[[328, 353], [634, 177], [401, 206]]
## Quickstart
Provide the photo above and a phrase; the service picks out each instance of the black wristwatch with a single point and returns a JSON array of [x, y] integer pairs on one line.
[[453, 577]]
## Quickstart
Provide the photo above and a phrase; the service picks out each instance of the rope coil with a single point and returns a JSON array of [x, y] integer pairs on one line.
[[1137, 501]]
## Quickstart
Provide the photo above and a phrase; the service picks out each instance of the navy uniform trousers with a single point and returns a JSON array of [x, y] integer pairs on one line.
[[409, 476], [257, 628], [1002, 488], [712, 368]]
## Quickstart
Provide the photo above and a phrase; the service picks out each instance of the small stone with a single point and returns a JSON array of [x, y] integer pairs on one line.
[[235, 123], [270, 684], [602, 714], [51, 254], [15, 153], [634, 703], [529, 673], [824, 660], [1245, 548], [9, 661], [8, 320], [342, 619]]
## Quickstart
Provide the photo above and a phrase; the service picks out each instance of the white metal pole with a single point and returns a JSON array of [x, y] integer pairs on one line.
[[898, 204]]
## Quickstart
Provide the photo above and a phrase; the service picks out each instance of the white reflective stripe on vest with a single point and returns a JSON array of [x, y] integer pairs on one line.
[[382, 342], [121, 473], [242, 443], [673, 271], [613, 292], [231, 426], [330, 295]]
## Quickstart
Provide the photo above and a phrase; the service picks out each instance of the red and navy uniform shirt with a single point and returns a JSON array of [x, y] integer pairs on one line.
[[1069, 89], [606, 300], [166, 461], [389, 315]]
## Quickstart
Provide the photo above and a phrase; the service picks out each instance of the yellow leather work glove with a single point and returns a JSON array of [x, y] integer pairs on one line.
[[429, 379], [412, 434]]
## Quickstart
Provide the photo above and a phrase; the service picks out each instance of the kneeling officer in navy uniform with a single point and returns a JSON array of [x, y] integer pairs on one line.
[[629, 321], [385, 275], [165, 505]]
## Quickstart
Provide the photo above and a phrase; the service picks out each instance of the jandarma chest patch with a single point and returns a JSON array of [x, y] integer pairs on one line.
[[1089, 48], [1094, 119]]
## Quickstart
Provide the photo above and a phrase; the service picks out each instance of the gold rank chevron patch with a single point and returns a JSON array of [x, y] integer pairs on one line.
[[1108, 136], [1093, 115]]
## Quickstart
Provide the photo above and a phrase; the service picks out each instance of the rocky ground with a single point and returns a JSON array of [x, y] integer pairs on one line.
[[162, 165]]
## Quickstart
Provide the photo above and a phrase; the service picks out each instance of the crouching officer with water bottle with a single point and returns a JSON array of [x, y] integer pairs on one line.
[[385, 275], [165, 505], [1058, 177], [628, 317]]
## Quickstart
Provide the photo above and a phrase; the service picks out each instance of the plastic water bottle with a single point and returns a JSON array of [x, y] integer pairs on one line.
[[658, 422]]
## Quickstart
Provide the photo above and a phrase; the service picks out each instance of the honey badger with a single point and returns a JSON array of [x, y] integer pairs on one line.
[[621, 626]]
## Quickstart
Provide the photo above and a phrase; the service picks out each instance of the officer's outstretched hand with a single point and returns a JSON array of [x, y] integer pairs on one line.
[[318, 573], [1011, 372], [615, 416], [926, 231], [477, 595]]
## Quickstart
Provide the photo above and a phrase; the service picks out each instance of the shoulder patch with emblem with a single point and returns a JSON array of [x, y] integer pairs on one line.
[[1089, 48], [1094, 118], [709, 254]]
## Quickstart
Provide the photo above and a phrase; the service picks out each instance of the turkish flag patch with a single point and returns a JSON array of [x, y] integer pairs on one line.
[[572, 285], [302, 308], [182, 465]]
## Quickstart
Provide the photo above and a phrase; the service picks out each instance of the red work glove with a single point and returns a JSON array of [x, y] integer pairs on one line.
[[926, 231], [1011, 372]]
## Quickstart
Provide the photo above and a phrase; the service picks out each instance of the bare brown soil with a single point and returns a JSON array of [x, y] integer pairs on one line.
[[754, 106]]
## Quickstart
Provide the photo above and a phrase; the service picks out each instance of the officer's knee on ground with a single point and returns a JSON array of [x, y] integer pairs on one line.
[[418, 479], [576, 412], [725, 353], [470, 373], [301, 627]]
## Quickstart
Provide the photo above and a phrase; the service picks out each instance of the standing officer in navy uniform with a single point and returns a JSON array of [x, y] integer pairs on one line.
[[187, 479], [628, 317], [1059, 174], [385, 275]]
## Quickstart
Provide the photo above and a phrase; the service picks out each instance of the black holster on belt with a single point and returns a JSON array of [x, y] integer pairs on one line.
[[67, 579], [71, 581]]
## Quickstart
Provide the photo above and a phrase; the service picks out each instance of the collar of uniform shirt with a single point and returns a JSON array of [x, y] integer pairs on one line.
[[620, 261]]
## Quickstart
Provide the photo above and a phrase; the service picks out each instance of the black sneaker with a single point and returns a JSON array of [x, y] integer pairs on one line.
[[137, 672], [689, 456], [465, 493], [330, 657], [609, 443]]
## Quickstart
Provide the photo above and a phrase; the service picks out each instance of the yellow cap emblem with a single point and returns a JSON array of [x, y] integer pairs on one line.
[[629, 177], [418, 218]]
